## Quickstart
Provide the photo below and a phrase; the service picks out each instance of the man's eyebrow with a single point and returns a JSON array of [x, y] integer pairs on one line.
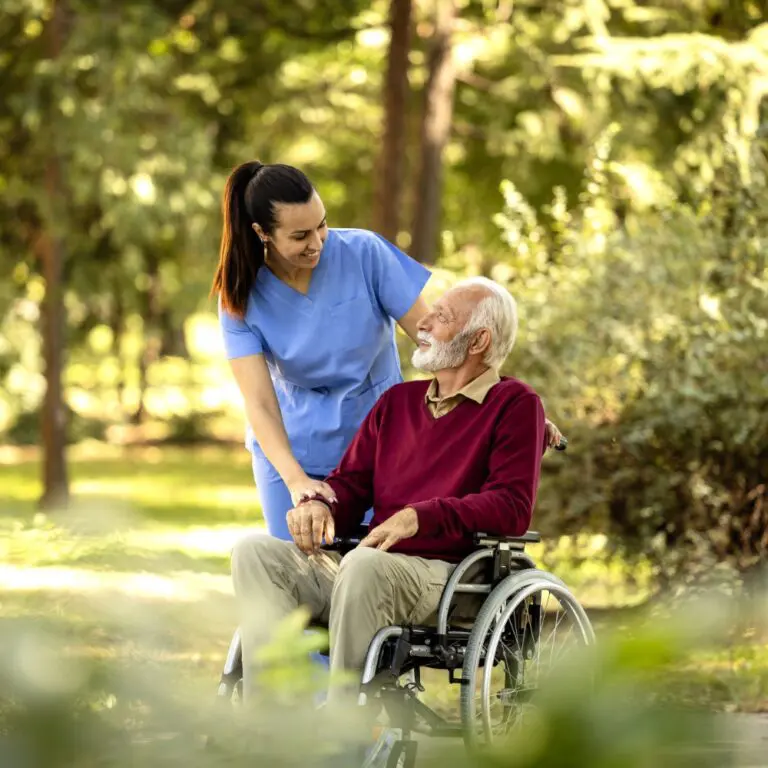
[[301, 231]]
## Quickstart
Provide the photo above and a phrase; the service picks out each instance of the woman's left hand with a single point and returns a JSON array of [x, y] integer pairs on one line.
[[553, 434]]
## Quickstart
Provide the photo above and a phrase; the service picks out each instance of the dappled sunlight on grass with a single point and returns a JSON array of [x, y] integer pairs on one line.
[[201, 540], [178, 586], [138, 566]]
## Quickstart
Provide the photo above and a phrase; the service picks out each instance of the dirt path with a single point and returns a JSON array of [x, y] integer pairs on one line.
[[747, 742]]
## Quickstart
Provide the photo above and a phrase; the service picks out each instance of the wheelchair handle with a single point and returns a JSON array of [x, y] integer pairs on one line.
[[562, 445]]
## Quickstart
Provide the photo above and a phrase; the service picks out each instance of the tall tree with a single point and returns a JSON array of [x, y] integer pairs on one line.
[[391, 161], [50, 248], [435, 131]]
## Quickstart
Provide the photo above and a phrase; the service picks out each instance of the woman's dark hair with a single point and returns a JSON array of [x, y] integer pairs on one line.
[[250, 195]]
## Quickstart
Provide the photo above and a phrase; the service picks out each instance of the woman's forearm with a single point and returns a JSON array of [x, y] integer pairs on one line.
[[263, 413], [269, 431]]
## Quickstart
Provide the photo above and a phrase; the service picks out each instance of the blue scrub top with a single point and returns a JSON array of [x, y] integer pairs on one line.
[[331, 353]]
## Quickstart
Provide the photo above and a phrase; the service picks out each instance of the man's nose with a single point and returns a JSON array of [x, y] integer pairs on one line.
[[425, 323]]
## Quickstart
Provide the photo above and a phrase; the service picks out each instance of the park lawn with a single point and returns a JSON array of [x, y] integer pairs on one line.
[[137, 569]]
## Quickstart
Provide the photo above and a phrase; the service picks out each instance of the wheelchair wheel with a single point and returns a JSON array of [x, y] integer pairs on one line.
[[524, 629]]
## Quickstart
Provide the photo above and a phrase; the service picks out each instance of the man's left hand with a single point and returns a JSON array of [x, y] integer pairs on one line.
[[402, 525]]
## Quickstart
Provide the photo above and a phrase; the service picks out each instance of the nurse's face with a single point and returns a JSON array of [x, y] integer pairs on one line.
[[299, 233]]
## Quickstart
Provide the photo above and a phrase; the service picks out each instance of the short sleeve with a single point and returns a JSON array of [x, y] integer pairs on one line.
[[240, 340], [397, 280]]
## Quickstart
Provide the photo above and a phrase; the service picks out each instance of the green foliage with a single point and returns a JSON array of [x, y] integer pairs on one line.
[[602, 709], [650, 336]]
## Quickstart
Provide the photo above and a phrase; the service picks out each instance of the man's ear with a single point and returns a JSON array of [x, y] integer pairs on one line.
[[479, 345]]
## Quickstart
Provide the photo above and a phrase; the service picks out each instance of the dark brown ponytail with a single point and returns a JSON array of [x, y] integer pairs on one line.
[[249, 198]]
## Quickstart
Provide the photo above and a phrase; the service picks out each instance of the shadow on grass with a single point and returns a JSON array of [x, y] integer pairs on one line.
[[171, 485], [191, 636]]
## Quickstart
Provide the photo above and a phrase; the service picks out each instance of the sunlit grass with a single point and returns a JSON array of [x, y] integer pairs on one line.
[[138, 566]]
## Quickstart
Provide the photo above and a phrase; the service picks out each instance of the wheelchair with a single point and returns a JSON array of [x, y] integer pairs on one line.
[[495, 656]]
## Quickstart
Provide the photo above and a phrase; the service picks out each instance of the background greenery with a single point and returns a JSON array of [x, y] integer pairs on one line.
[[605, 159]]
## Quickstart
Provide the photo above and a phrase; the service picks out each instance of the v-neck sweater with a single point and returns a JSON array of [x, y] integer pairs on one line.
[[475, 469]]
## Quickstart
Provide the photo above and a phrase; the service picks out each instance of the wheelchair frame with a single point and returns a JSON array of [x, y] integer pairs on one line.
[[398, 650]]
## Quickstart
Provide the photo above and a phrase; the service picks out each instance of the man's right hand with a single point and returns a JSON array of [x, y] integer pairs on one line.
[[309, 523]]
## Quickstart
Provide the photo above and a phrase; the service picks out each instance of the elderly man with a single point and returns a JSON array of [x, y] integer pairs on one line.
[[437, 461]]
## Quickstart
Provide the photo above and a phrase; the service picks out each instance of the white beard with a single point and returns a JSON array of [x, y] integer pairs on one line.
[[440, 355]]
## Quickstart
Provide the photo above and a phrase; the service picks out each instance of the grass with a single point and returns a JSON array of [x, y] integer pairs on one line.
[[139, 564], [138, 568]]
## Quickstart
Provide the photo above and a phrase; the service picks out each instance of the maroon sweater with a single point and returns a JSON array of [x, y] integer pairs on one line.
[[474, 469]]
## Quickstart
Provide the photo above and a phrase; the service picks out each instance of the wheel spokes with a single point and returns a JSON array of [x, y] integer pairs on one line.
[[524, 644]]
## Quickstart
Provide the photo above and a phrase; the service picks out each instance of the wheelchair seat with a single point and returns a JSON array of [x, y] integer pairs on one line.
[[479, 540]]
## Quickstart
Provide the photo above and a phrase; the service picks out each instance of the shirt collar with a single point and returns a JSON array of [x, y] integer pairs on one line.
[[476, 390]]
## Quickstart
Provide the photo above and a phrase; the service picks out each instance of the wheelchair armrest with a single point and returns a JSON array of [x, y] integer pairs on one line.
[[516, 542]]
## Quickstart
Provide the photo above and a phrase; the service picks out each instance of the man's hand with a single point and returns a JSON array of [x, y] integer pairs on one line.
[[553, 434], [402, 525], [310, 523]]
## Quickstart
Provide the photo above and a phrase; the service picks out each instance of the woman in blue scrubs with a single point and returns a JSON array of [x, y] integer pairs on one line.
[[308, 316]]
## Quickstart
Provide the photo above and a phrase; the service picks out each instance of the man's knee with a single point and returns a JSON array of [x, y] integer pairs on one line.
[[363, 571], [254, 546], [365, 562], [259, 559]]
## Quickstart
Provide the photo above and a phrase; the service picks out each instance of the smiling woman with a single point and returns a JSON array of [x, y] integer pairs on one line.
[[308, 316]]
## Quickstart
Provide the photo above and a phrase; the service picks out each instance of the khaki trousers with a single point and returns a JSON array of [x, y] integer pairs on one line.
[[354, 596]]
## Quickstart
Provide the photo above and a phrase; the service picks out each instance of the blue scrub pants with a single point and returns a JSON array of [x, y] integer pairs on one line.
[[274, 497]]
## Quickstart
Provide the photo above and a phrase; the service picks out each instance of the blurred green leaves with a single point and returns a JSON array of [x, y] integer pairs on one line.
[[603, 708]]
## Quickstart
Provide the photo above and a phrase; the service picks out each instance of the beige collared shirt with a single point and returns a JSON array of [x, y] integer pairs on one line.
[[476, 390]]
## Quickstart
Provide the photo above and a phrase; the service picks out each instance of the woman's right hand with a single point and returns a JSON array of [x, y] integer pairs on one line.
[[305, 488]]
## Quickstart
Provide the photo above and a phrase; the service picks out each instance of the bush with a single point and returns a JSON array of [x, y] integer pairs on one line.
[[648, 340]]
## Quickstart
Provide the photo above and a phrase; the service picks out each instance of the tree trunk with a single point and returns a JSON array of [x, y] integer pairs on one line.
[[391, 163], [435, 131], [51, 253], [117, 325], [153, 309]]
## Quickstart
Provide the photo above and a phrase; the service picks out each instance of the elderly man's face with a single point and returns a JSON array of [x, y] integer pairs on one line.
[[441, 341]]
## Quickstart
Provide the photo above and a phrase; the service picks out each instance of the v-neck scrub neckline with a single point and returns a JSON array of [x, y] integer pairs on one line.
[[274, 285]]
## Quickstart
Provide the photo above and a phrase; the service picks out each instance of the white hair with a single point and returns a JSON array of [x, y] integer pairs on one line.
[[497, 313]]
